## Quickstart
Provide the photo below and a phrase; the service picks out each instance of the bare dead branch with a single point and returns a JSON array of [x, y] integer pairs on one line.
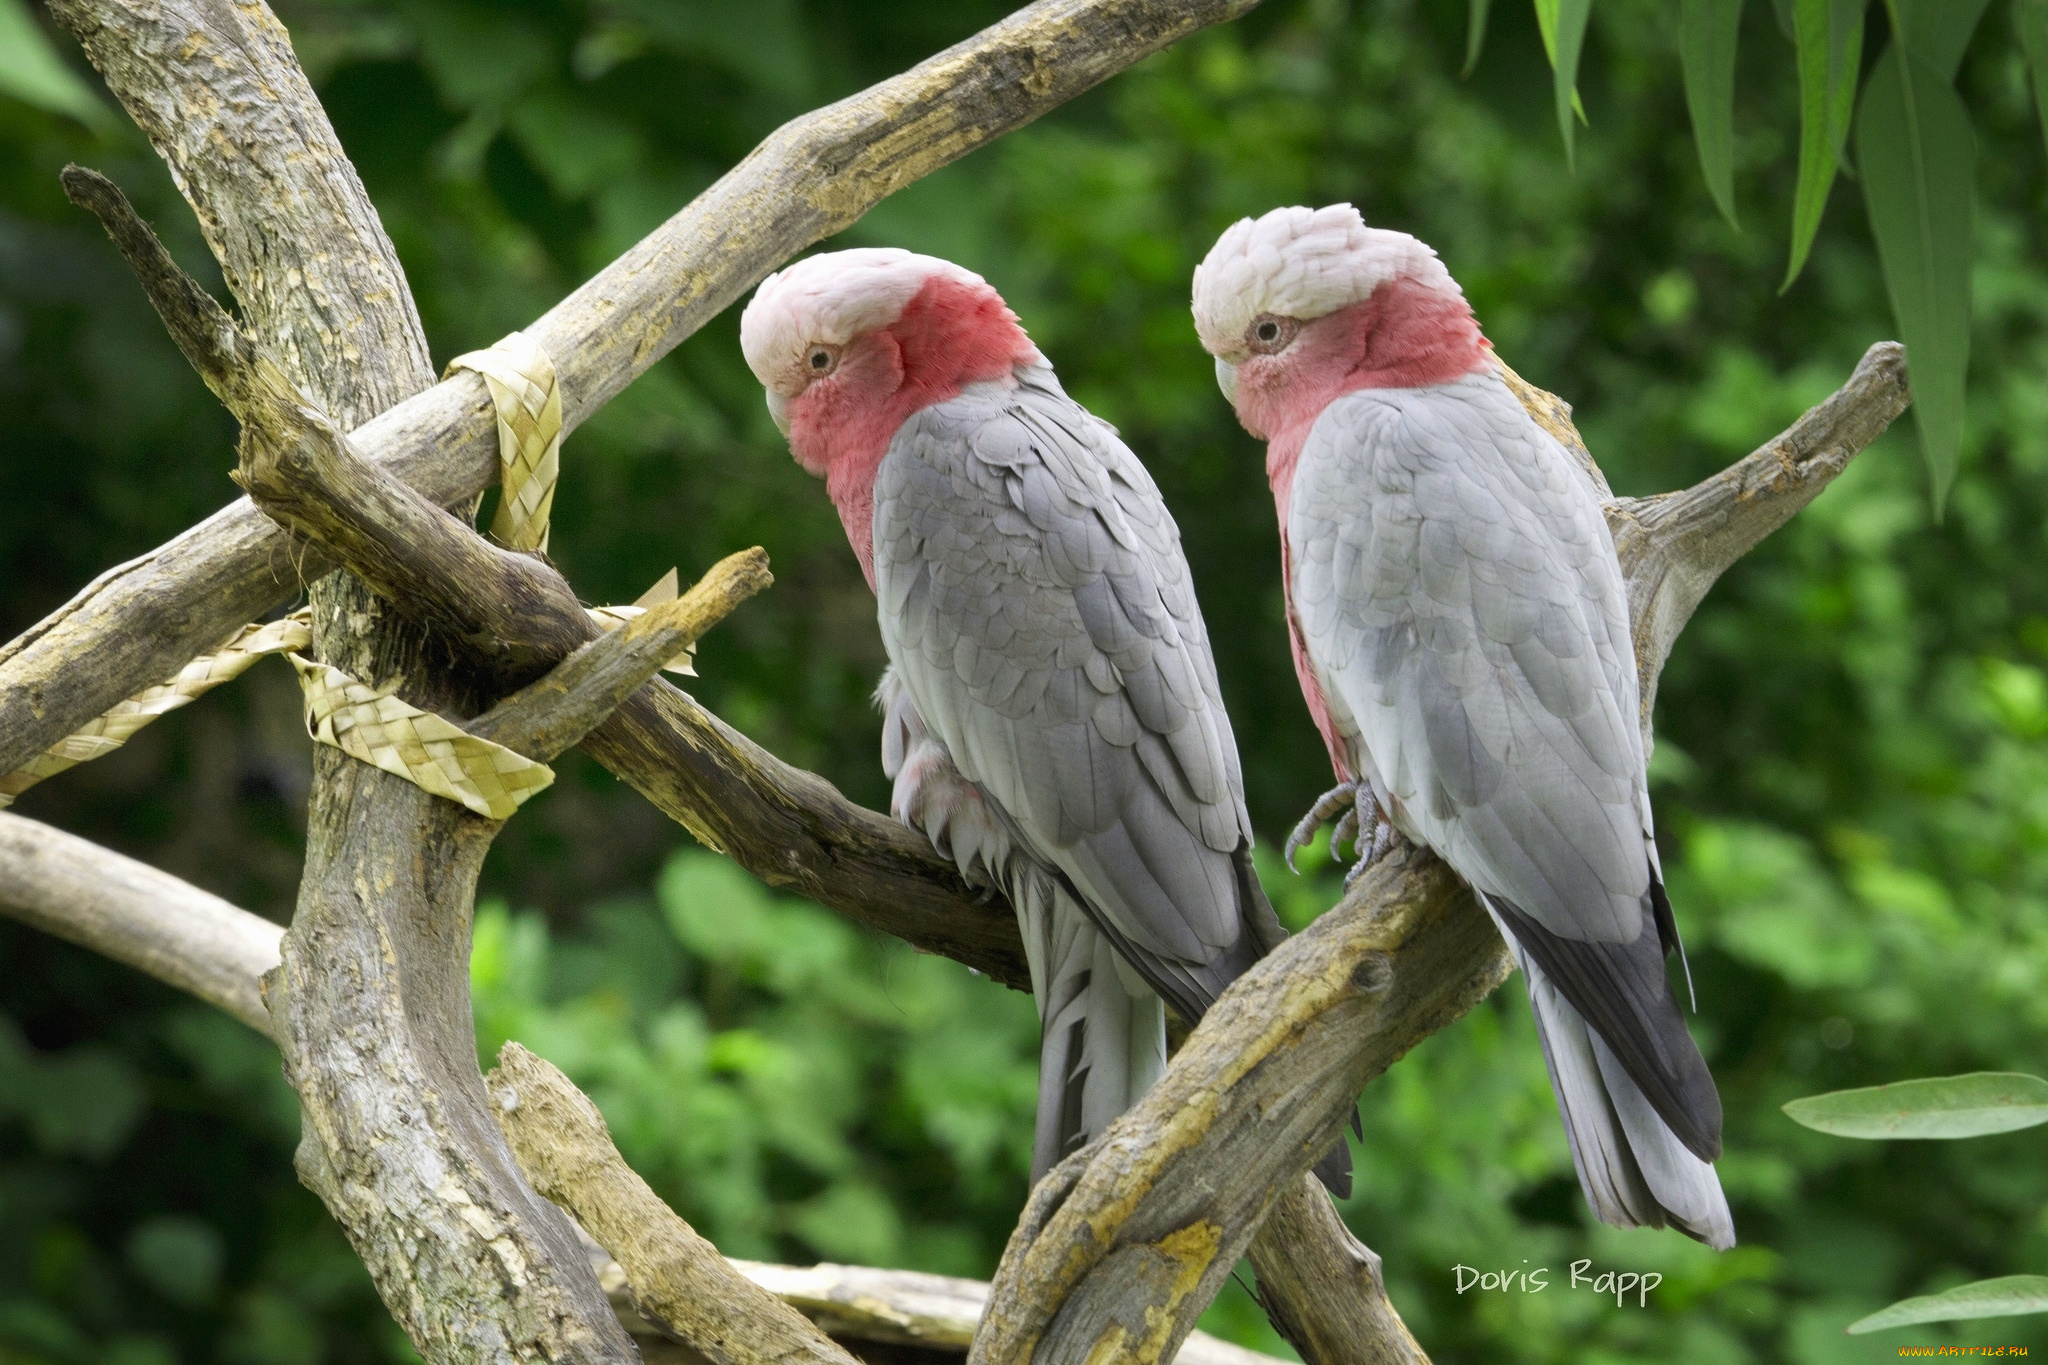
[[1675, 545], [680, 1282], [158, 924], [864, 1304], [370, 1000], [552, 713], [1127, 1241]]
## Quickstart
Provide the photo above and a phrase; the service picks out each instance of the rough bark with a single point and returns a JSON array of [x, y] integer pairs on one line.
[[679, 1281], [1126, 1242], [215, 85], [370, 1005], [1304, 1255]]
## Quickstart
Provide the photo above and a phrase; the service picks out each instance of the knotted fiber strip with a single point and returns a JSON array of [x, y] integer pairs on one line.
[[528, 400], [427, 750], [109, 732]]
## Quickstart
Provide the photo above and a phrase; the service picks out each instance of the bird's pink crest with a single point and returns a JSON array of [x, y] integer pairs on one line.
[[896, 332]]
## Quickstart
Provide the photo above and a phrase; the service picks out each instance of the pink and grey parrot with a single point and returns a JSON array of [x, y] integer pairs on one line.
[[1461, 632], [1053, 721]]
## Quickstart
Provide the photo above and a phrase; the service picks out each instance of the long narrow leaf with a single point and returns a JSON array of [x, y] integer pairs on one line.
[[31, 71], [1475, 32], [2000, 1298], [1829, 36], [1936, 1107], [2031, 18], [1563, 23], [1707, 32], [1919, 162], [1936, 32]]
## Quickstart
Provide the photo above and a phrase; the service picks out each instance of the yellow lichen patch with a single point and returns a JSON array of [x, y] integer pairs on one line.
[[1108, 1348], [1191, 1249]]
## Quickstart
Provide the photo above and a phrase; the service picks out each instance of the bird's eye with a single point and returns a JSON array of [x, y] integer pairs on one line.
[[822, 359], [1270, 333]]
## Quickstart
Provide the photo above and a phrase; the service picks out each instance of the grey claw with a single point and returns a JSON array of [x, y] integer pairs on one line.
[[1326, 806], [1345, 828]]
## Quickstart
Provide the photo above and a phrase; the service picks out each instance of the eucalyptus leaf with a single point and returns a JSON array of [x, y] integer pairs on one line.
[[32, 72], [2001, 1298], [2031, 18], [1475, 33], [1829, 37], [1563, 23], [1935, 1107], [1707, 34], [1918, 157], [1936, 32]]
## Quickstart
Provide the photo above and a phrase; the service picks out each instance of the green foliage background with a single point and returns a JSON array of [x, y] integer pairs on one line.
[[1852, 766]]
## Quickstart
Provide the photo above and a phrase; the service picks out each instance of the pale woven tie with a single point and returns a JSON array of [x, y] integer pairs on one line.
[[528, 400]]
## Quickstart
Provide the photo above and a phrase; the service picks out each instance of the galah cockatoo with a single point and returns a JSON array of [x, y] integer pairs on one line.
[[1461, 632], [1052, 718]]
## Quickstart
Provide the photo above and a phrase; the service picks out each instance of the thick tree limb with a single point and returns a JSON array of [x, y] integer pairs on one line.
[[197, 76], [1125, 1242], [370, 1003], [156, 923], [190, 939], [680, 1282]]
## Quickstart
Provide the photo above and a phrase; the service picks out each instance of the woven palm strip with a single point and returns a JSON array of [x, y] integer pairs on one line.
[[521, 378], [428, 750], [110, 731]]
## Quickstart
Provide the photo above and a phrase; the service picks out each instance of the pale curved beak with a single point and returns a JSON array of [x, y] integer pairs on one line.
[[778, 410], [1226, 379]]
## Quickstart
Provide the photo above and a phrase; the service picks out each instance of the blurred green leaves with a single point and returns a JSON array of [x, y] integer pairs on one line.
[[84, 1100], [793, 1086], [1937, 1107], [31, 71]]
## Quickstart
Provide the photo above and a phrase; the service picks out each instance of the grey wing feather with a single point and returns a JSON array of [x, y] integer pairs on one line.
[[1472, 616], [1038, 608]]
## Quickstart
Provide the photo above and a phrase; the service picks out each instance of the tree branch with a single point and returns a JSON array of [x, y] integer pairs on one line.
[[194, 73], [156, 923], [1126, 1242], [513, 615], [549, 715], [680, 1282]]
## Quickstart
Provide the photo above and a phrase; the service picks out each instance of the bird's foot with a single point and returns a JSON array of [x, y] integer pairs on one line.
[[1373, 834], [1327, 806]]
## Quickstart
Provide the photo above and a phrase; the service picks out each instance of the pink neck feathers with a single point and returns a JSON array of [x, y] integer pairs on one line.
[[948, 336]]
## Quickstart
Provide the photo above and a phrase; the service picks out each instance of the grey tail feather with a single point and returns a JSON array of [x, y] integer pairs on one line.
[[1667, 934], [1334, 1170], [1103, 1043], [1634, 1170], [1623, 993]]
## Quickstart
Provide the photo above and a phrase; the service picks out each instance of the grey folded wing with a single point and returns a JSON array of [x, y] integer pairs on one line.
[[1457, 587], [1038, 609]]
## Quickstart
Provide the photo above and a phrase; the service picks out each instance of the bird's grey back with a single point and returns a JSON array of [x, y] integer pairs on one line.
[[1457, 585], [1037, 605]]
